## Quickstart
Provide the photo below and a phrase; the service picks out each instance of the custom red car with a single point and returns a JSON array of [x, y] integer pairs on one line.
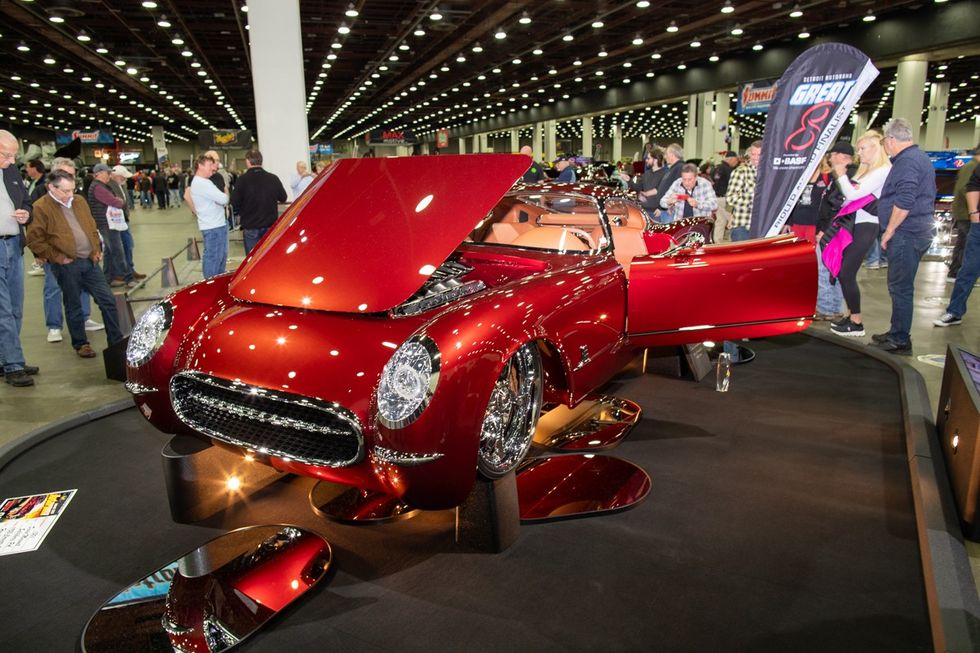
[[401, 325]]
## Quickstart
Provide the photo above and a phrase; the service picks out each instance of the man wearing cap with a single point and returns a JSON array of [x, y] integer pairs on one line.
[[15, 212], [101, 199], [719, 178], [566, 171], [65, 235], [117, 184]]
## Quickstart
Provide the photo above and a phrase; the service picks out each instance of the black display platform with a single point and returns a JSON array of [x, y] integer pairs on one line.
[[780, 519]]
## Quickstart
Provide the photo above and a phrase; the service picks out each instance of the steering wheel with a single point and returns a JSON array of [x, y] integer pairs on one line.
[[582, 235]]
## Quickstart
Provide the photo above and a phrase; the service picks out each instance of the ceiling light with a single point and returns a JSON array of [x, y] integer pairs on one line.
[[163, 22], [672, 27], [603, 53], [186, 53], [567, 38], [597, 24], [655, 55], [336, 45], [525, 19], [102, 49], [49, 60], [728, 8], [477, 47], [695, 44], [119, 62], [642, 4], [796, 13], [343, 29], [713, 58], [501, 34], [537, 51], [131, 70], [435, 15], [177, 40], [83, 37], [149, 4], [682, 67], [637, 41], [56, 19], [419, 32], [351, 11], [737, 31], [757, 47], [869, 17], [804, 34]]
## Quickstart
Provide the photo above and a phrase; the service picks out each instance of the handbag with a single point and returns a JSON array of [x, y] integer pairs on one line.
[[116, 219]]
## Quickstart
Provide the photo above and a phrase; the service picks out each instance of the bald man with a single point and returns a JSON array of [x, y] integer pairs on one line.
[[534, 172], [15, 212]]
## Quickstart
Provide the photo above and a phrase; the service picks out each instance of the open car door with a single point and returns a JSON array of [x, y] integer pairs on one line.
[[747, 289]]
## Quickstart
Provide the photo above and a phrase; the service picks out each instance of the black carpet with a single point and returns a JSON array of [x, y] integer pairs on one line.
[[780, 519]]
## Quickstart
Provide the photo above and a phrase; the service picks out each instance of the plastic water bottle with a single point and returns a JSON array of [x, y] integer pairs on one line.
[[723, 372]]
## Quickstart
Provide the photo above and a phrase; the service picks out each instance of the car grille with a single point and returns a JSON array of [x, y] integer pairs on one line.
[[267, 421]]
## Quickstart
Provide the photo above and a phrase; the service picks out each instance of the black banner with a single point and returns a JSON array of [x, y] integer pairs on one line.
[[225, 139], [814, 98]]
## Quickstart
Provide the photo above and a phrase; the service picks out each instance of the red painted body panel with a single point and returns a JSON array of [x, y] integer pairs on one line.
[[748, 289], [366, 216]]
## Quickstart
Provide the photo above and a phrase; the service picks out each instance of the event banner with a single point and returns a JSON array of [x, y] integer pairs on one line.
[[99, 136], [442, 138], [228, 139], [755, 97], [390, 137], [814, 98]]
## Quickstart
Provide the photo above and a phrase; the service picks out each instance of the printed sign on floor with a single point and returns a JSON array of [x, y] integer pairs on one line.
[[26, 521]]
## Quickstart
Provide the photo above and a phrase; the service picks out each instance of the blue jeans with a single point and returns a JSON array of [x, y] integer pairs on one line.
[[54, 317], [130, 200], [904, 254], [145, 200], [215, 251], [252, 237], [127, 244], [113, 258], [83, 274], [968, 273], [11, 303], [829, 296], [876, 255], [740, 233]]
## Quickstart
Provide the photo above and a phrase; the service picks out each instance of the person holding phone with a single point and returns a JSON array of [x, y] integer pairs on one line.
[[690, 196]]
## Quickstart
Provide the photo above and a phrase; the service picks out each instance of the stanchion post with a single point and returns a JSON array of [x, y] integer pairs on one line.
[[193, 253], [168, 274], [125, 312]]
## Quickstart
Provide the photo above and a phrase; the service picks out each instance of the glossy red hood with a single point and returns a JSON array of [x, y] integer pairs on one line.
[[367, 233]]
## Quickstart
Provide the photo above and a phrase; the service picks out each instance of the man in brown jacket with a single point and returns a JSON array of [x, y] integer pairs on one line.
[[64, 235]]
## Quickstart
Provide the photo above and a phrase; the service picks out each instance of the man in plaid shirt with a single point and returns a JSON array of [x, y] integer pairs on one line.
[[690, 196], [741, 192]]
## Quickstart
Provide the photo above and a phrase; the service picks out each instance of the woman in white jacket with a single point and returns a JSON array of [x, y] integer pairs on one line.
[[868, 180]]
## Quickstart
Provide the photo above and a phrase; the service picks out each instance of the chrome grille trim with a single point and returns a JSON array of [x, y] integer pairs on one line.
[[189, 393], [405, 459], [135, 388]]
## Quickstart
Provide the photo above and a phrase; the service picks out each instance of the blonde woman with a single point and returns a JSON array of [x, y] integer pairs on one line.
[[868, 180]]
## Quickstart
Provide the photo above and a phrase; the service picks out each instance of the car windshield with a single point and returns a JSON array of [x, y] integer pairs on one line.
[[558, 222]]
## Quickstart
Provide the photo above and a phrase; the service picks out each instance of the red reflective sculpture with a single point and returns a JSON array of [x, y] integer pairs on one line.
[[400, 327]]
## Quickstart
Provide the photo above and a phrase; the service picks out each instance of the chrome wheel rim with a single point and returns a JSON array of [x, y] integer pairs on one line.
[[512, 413]]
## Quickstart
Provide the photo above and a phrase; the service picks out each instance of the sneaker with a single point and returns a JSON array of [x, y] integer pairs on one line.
[[137, 275], [54, 335], [36, 270], [92, 325], [86, 351], [892, 347], [841, 322], [947, 319], [880, 337], [849, 329], [18, 379], [873, 266]]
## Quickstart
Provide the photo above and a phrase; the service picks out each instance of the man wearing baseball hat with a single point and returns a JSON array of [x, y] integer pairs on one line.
[[100, 199], [117, 184]]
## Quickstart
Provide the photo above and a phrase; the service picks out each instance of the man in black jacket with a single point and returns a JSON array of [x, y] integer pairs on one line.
[[15, 212], [256, 198], [674, 156]]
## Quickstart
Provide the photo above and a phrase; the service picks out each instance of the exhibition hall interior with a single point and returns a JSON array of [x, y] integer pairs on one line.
[[482, 325]]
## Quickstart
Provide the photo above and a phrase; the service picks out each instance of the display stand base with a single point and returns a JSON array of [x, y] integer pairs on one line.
[[489, 520], [203, 479], [597, 423], [679, 362], [356, 506]]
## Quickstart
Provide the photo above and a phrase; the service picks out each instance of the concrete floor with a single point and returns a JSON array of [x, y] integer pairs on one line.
[[68, 384]]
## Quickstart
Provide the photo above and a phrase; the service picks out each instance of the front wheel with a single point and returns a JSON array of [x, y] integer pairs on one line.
[[512, 413]]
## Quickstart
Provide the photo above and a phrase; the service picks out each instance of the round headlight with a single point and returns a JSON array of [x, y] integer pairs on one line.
[[148, 334], [408, 382]]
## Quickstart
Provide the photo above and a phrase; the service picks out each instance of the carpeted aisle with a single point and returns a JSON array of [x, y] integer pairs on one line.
[[780, 520]]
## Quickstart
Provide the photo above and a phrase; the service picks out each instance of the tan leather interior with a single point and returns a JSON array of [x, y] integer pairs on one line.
[[627, 244], [549, 237], [504, 233]]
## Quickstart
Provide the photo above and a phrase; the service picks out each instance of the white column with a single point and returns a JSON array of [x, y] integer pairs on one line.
[[550, 140], [587, 136], [617, 142], [691, 134], [462, 145], [515, 143], [936, 122], [723, 103], [976, 130], [476, 144], [536, 142], [860, 122], [736, 139], [276, 47], [909, 94]]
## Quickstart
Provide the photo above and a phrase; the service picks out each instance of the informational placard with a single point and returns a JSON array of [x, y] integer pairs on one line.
[[390, 137], [26, 521], [100, 136], [756, 97], [442, 138]]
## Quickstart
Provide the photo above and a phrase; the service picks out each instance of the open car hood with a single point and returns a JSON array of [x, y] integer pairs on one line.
[[367, 233]]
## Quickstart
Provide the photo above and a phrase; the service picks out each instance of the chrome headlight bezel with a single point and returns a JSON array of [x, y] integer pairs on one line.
[[148, 333], [418, 356]]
